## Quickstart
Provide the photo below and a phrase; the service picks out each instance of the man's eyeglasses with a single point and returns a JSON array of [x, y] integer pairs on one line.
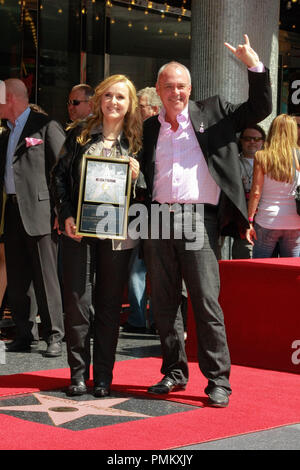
[[76, 102], [255, 139]]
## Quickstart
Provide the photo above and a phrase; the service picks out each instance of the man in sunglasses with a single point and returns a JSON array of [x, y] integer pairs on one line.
[[251, 140], [79, 103]]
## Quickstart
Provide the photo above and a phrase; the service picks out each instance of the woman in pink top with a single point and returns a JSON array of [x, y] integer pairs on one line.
[[272, 203]]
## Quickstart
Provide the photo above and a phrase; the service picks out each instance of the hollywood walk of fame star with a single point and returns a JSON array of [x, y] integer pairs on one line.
[[62, 410]]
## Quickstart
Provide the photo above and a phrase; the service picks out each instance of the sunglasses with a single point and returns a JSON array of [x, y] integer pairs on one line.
[[255, 139], [76, 102]]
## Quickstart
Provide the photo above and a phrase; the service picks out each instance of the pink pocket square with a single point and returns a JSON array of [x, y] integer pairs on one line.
[[31, 141]]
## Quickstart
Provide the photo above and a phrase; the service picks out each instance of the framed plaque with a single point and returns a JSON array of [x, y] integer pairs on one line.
[[104, 196]]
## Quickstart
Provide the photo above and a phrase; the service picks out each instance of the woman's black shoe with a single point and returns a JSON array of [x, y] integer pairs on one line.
[[18, 345]]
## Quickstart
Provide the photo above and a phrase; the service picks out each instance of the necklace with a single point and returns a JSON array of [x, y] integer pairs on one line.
[[247, 176], [110, 140]]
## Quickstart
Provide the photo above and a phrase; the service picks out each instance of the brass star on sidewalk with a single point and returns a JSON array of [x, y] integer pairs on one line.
[[62, 410]]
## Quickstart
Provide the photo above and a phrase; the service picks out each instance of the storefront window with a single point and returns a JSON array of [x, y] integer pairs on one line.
[[29, 24], [94, 39], [11, 43], [71, 50], [59, 62], [53, 45]]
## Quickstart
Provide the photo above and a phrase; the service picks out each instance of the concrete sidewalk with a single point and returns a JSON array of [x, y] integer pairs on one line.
[[132, 346]]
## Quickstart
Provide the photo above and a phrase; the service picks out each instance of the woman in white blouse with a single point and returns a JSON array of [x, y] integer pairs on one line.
[[272, 203]]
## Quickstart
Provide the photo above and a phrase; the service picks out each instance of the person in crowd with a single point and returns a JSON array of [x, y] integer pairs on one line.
[[115, 129], [199, 141], [251, 140], [35, 107], [79, 102], [149, 102], [28, 151], [272, 210], [297, 117], [137, 297], [149, 105], [5, 311], [3, 279]]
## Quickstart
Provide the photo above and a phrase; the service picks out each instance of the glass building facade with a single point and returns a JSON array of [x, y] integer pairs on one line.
[[55, 44]]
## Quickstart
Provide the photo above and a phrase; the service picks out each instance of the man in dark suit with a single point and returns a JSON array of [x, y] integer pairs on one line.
[[28, 151], [190, 163]]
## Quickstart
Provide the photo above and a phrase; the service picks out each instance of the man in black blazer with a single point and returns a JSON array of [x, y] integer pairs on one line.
[[28, 151], [190, 163]]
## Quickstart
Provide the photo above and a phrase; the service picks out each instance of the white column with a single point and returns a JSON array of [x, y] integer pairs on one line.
[[214, 69]]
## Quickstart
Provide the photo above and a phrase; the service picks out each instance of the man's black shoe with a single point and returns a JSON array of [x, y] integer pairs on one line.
[[76, 388], [166, 385], [18, 345], [217, 397], [54, 349], [101, 389]]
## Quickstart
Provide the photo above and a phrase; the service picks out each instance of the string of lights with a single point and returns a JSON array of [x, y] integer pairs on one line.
[[178, 9], [166, 10]]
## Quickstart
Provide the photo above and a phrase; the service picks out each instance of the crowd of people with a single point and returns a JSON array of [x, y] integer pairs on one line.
[[182, 155]]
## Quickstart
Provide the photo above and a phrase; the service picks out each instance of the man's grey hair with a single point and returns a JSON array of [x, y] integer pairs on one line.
[[153, 98], [179, 65], [87, 89]]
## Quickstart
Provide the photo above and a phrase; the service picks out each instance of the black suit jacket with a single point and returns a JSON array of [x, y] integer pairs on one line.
[[32, 167], [220, 122]]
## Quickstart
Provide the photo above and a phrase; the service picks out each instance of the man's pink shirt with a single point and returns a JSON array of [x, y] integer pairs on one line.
[[181, 172]]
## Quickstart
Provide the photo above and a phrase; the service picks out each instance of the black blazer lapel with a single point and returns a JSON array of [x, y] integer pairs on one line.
[[3, 149], [124, 144], [200, 124], [150, 146]]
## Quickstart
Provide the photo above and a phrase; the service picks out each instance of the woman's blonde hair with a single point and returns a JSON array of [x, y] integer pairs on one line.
[[276, 159], [132, 127]]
